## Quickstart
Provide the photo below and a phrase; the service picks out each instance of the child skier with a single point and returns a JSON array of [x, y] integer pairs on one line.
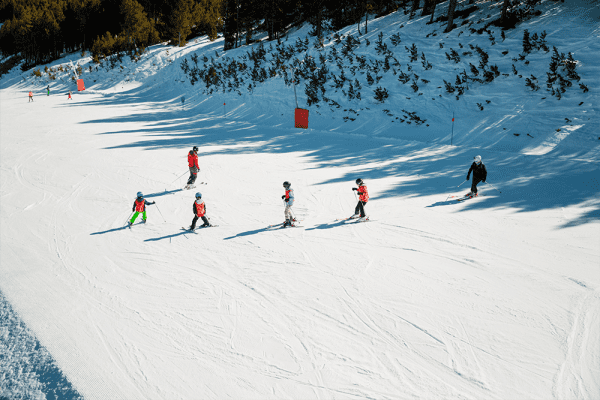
[[69, 98], [139, 206], [30, 96], [199, 209], [479, 175], [194, 167], [363, 198], [288, 197], [48, 89]]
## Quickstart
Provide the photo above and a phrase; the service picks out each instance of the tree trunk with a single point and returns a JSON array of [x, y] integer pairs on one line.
[[433, 12], [504, 11], [415, 5], [428, 7], [451, 8]]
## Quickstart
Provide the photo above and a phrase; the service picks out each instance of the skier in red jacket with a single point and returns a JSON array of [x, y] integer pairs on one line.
[[199, 212], [194, 167], [363, 198]]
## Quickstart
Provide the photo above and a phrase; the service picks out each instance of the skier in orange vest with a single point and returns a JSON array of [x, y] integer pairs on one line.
[[30, 96], [363, 198], [139, 206], [199, 212]]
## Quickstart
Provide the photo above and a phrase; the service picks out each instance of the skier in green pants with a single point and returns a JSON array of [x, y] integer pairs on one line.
[[139, 206]]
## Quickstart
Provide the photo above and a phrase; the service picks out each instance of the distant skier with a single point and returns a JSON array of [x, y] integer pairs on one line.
[[48, 89], [30, 96], [194, 167], [199, 209], [139, 206], [363, 198], [69, 98], [288, 197], [479, 175]]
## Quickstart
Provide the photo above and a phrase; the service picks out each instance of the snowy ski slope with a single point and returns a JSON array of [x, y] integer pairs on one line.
[[496, 297]]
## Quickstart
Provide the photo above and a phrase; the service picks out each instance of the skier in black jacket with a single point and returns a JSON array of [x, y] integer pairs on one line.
[[479, 175]]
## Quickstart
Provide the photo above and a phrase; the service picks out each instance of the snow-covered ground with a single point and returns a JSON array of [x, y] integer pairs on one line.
[[496, 297]]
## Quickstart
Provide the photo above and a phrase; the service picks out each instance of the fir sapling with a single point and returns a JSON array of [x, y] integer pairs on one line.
[[413, 53], [414, 86], [426, 64], [584, 88], [453, 56], [449, 87], [381, 94]]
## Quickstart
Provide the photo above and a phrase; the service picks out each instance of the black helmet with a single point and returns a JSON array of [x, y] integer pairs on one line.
[[140, 195], [359, 181], [195, 149], [286, 184]]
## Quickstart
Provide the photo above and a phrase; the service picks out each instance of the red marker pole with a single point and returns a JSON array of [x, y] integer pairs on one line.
[[452, 138]]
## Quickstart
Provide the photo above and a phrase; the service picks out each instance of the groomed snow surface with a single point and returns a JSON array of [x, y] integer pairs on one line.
[[496, 297]]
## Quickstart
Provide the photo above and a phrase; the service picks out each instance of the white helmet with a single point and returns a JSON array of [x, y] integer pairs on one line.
[[477, 159]]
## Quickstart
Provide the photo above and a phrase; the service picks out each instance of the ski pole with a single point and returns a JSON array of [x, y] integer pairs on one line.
[[492, 186], [179, 177], [462, 183], [128, 218], [160, 212]]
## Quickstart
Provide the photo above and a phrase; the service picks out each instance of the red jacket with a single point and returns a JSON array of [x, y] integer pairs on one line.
[[363, 193], [199, 209], [193, 159]]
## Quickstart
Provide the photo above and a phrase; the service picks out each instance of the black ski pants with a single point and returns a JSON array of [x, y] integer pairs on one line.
[[196, 220], [474, 184], [360, 208], [193, 176]]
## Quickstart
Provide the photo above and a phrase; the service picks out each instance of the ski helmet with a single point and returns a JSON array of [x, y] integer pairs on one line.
[[359, 181], [140, 195], [198, 195], [477, 159], [195, 149], [286, 184]]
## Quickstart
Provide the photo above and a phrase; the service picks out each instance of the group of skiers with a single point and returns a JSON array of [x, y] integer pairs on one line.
[[199, 207], [48, 94]]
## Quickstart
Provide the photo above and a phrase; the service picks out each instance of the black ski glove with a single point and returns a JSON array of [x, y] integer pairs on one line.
[[354, 189], [286, 200], [283, 197], [484, 181], [467, 177]]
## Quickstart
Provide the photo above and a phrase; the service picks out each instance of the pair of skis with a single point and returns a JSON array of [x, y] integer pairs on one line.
[[198, 227], [188, 187], [353, 217]]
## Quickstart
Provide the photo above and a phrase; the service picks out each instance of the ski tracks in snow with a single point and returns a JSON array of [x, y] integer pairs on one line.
[[579, 374]]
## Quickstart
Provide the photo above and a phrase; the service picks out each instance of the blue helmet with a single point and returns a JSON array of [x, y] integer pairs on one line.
[[198, 195], [140, 195]]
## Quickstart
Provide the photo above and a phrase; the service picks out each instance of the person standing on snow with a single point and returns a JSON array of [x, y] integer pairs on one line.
[[288, 197], [69, 98], [48, 89], [139, 206], [30, 96], [194, 167], [479, 175], [199, 209], [363, 198]]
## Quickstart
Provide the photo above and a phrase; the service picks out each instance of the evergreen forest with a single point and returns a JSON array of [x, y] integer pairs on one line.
[[39, 31]]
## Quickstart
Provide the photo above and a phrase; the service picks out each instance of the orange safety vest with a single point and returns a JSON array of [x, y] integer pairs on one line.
[[200, 209], [140, 206]]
